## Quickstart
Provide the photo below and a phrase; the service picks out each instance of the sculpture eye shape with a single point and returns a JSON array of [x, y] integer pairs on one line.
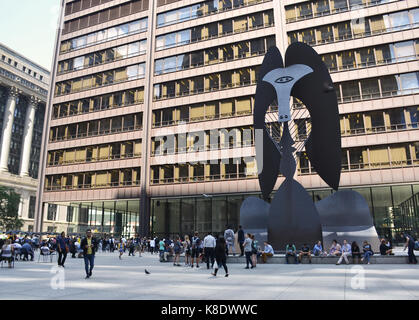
[[284, 79]]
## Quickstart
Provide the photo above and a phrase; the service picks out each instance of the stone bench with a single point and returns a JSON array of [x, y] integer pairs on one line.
[[280, 259]]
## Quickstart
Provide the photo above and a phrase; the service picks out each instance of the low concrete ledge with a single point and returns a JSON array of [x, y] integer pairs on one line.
[[280, 259]]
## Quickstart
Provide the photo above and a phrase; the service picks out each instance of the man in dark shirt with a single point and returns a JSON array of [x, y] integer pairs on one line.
[[386, 248], [62, 247], [240, 239], [305, 251], [410, 244]]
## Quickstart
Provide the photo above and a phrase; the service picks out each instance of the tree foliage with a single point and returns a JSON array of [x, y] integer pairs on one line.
[[9, 209]]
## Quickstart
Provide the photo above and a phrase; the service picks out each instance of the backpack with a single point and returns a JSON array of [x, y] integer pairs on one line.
[[196, 242], [254, 247], [416, 245], [229, 235]]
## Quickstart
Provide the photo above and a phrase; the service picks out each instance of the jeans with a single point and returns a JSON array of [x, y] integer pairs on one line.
[[367, 255], [221, 262], [344, 256], [291, 255], [248, 258], [209, 255], [89, 258], [231, 245], [410, 252], [62, 255], [161, 255], [241, 248]]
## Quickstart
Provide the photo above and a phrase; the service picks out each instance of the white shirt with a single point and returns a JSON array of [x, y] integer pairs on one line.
[[269, 249], [209, 241], [152, 243]]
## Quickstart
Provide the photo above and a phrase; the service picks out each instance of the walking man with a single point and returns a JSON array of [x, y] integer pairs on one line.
[[62, 247], [89, 245], [209, 249]]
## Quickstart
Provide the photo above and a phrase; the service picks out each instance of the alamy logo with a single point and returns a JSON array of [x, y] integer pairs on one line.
[[358, 280], [58, 279]]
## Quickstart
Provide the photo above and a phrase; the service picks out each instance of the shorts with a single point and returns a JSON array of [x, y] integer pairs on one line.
[[196, 252]]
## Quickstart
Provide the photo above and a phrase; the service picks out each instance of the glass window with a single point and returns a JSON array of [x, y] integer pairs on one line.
[[415, 15], [143, 46], [134, 27], [121, 52], [158, 66], [182, 61], [184, 36], [133, 48], [159, 42], [404, 51], [143, 24], [123, 30], [132, 72], [78, 63], [102, 35], [141, 70], [170, 64], [170, 40], [81, 42], [184, 13], [410, 81], [170, 17], [399, 20], [160, 19], [91, 38], [112, 33]]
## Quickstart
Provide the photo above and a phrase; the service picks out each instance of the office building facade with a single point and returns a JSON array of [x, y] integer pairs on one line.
[[23, 94], [150, 114]]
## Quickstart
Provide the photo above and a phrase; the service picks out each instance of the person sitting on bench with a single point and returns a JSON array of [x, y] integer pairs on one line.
[[267, 252], [386, 248], [305, 251], [291, 252]]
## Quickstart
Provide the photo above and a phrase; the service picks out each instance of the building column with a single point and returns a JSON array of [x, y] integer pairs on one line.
[[27, 137], [9, 114]]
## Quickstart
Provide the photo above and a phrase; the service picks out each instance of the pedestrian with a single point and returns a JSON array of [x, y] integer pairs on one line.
[[152, 245], [255, 250], [410, 245], [121, 248], [131, 245], [229, 237], [177, 246], [63, 248], [240, 239], [209, 249], [89, 245], [188, 250], [196, 249], [220, 256], [248, 250], [161, 249]]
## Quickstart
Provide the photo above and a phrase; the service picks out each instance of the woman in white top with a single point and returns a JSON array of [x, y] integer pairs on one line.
[[7, 252]]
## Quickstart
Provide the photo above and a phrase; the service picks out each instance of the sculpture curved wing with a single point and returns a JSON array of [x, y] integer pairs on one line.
[[267, 157], [317, 93]]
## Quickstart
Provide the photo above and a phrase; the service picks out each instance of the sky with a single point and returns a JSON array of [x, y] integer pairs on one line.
[[29, 27]]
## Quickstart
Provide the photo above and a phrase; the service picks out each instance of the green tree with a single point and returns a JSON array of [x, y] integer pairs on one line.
[[9, 209]]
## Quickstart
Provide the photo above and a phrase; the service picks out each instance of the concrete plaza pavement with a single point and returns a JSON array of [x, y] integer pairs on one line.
[[126, 279]]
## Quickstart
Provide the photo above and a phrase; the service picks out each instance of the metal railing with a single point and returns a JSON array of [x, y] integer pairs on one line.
[[95, 159], [337, 10], [199, 90], [202, 148], [212, 12], [95, 133], [120, 184], [223, 34], [100, 108], [227, 176], [367, 166]]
